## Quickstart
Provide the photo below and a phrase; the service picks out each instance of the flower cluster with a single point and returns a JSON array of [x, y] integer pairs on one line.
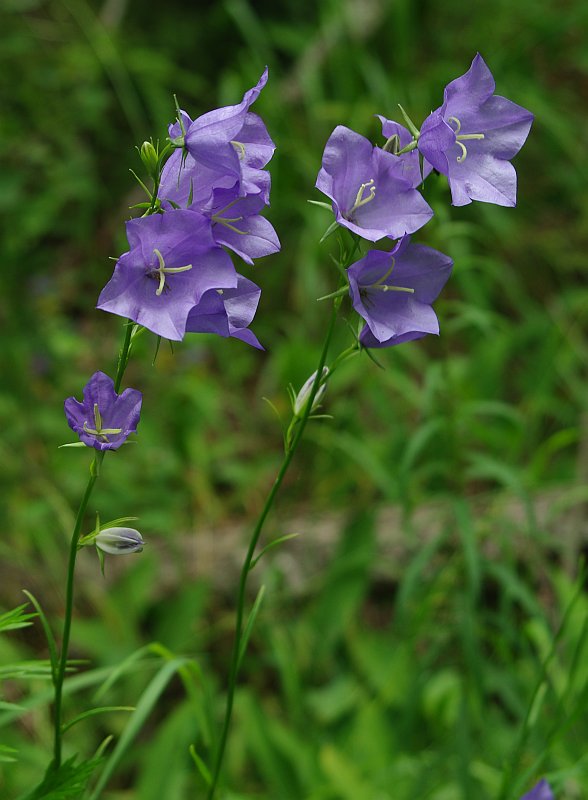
[[177, 276], [375, 194]]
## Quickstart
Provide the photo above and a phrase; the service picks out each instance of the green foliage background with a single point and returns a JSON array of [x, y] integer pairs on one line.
[[379, 681]]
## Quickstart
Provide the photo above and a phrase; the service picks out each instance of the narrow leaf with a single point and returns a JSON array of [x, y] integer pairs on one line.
[[249, 626], [277, 541], [201, 766], [47, 630]]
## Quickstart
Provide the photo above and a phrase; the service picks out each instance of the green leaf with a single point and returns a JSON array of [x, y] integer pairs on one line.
[[92, 713], [320, 203], [278, 541], [66, 783], [201, 766], [72, 444], [47, 630], [249, 626], [145, 706], [16, 618]]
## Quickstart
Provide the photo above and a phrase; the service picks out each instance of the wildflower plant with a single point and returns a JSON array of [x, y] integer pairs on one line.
[[206, 203]]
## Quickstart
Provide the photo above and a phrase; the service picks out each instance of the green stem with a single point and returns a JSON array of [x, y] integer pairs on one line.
[[73, 549], [234, 668], [59, 676]]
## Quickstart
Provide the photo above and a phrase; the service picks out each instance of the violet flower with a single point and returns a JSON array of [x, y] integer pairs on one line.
[[393, 292], [472, 137], [172, 262], [369, 193], [227, 312], [542, 791], [105, 419], [222, 138]]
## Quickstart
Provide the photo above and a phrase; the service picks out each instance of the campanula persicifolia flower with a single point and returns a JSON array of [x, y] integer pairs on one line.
[[227, 312], [104, 419], [301, 398], [119, 541], [224, 138], [393, 292], [472, 137], [369, 193], [542, 791], [173, 260]]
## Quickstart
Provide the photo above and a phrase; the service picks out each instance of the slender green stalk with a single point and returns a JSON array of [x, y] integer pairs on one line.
[[95, 465], [289, 454]]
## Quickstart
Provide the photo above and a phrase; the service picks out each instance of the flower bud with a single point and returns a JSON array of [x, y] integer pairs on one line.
[[304, 393], [119, 541], [149, 158]]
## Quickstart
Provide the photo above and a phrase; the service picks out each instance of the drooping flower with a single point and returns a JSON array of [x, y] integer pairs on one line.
[[472, 137], [393, 292], [369, 193], [223, 138], [173, 260], [227, 312], [119, 541], [542, 791], [104, 419]]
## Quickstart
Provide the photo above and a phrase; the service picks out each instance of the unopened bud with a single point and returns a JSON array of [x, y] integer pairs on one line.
[[303, 395], [119, 541], [149, 158]]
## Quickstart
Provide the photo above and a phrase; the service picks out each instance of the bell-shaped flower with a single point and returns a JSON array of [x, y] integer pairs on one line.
[[393, 292], [472, 137], [226, 137], [369, 193], [119, 541], [173, 260], [227, 312], [542, 791], [104, 419]]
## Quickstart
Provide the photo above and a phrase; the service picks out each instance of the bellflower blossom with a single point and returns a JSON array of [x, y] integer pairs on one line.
[[227, 312], [223, 138], [542, 791], [370, 194], [105, 419], [472, 137], [173, 260], [393, 292]]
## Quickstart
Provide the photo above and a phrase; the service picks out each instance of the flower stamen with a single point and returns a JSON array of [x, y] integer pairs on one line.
[[98, 430], [162, 271], [459, 137], [360, 200], [240, 147]]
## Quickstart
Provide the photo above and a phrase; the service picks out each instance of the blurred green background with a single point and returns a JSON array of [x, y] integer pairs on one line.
[[397, 657]]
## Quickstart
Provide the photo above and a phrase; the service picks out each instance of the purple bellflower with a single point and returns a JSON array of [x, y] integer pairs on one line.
[[104, 419], [393, 292], [223, 138], [172, 262], [227, 312], [370, 194], [542, 791], [472, 137]]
